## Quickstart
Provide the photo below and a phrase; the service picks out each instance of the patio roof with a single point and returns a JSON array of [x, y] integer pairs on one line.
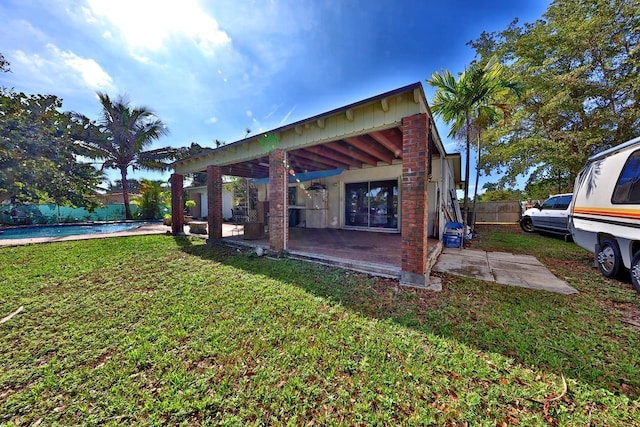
[[364, 134]]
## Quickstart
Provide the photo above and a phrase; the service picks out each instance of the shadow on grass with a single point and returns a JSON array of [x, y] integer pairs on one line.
[[560, 334]]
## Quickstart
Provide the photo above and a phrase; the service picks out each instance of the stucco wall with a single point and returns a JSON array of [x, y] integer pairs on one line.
[[440, 180], [227, 201]]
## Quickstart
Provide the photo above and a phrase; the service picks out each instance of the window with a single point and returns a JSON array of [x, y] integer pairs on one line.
[[627, 189], [372, 204], [557, 202]]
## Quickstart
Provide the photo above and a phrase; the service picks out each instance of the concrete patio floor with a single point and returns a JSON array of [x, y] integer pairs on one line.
[[369, 252], [508, 269], [380, 254]]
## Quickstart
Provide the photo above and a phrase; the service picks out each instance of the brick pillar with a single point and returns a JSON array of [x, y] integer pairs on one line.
[[214, 202], [415, 146], [177, 205], [278, 201]]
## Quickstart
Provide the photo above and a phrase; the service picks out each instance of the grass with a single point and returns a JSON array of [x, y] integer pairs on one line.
[[152, 330]]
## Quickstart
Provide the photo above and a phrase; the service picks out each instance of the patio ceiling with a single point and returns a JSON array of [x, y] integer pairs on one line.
[[367, 133], [372, 149]]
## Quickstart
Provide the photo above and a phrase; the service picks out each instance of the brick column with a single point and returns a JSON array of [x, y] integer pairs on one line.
[[415, 130], [214, 202], [177, 205], [278, 201]]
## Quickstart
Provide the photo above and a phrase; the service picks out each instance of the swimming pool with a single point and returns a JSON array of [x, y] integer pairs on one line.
[[69, 230]]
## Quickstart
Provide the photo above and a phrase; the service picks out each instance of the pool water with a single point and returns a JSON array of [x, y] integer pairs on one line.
[[68, 230]]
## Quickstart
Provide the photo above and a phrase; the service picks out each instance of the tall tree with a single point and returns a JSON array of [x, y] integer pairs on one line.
[[38, 156], [470, 100], [581, 63], [5, 67], [492, 108], [453, 102], [121, 139]]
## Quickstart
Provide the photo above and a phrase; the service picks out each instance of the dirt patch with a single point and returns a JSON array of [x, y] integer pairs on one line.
[[629, 312], [564, 266]]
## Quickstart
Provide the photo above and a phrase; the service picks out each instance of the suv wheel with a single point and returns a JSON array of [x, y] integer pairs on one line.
[[635, 271], [526, 224], [608, 258]]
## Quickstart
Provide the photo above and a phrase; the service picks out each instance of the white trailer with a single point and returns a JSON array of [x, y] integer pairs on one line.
[[604, 216]]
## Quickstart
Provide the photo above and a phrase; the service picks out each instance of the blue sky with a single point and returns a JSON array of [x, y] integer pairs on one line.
[[212, 69]]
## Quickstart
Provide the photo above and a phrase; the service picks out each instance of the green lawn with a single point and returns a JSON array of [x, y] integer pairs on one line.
[[155, 330]]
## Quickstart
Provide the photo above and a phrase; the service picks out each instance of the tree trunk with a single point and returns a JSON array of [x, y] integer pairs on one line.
[[475, 190], [125, 194], [465, 213]]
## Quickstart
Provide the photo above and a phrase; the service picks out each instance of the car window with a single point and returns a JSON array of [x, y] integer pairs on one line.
[[562, 202], [557, 202], [627, 189], [549, 203]]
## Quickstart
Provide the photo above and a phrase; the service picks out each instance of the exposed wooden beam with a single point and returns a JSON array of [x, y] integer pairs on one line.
[[325, 152], [299, 165], [241, 170], [258, 168], [371, 147], [353, 152], [318, 159], [388, 143]]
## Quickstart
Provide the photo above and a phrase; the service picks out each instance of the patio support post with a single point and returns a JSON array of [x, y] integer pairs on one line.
[[278, 201], [177, 205], [214, 202], [415, 146]]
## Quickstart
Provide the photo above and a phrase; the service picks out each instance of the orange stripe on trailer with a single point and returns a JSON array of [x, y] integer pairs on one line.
[[619, 213]]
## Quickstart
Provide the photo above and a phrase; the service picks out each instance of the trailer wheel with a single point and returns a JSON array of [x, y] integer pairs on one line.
[[526, 224], [609, 259], [635, 271]]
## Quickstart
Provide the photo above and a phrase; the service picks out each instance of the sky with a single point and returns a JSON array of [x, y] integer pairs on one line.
[[212, 69]]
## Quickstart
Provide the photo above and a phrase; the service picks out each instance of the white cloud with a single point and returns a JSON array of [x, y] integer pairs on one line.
[[89, 70], [88, 16], [147, 25], [64, 69], [212, 120]]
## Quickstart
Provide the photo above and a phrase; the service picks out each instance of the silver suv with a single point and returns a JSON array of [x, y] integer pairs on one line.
[[551, 217]]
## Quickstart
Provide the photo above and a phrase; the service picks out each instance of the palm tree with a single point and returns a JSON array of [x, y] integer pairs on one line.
[[495, 87], [154, 200], [124, 135], [453, 102], [472, 96]]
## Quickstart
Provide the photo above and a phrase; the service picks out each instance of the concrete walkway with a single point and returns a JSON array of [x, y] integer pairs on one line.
[[508, 269]]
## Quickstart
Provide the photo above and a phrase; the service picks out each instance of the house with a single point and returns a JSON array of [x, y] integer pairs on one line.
[[378, 166], [198, 194]]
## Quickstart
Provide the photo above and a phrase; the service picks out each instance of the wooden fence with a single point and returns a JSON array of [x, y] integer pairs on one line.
[[498, 212]]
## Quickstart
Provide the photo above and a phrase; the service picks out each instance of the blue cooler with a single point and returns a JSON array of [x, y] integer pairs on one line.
[[453, 234]]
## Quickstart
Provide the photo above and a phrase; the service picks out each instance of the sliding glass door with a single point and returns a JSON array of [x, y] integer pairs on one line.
[[372, 204]]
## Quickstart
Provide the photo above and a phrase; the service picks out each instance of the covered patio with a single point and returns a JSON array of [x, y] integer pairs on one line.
[[373, 253], [369, 182]]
